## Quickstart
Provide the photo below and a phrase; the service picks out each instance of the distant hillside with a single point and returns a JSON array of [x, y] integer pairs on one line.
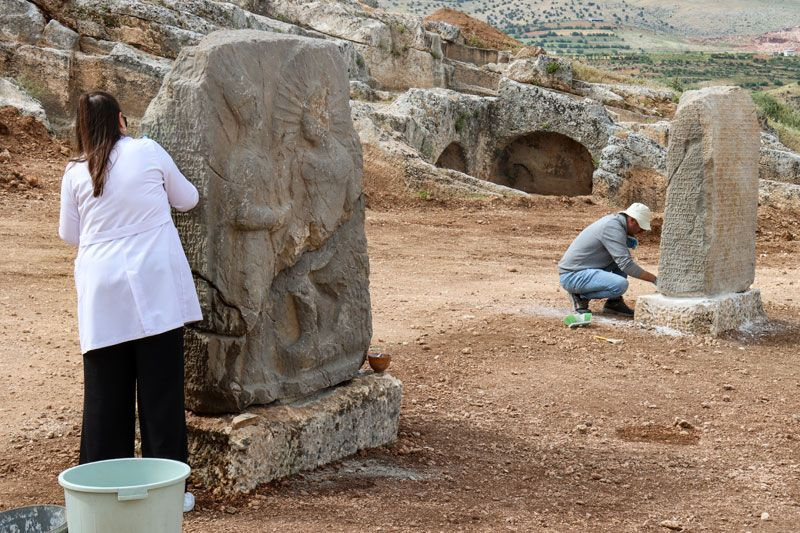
[[683, 19]]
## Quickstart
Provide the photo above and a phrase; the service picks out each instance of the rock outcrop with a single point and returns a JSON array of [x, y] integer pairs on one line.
[[535, 106], [632, 168], [542, 70], [399, 51], [123, 46], [13, 95], [277, 243], [777, 162]]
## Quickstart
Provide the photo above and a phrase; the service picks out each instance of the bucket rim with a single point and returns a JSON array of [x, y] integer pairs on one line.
[[31, 506], [51, 506], [109, 490]]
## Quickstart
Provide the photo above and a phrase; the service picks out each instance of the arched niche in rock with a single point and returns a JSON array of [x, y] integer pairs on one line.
[[453, 158], [544, 162]]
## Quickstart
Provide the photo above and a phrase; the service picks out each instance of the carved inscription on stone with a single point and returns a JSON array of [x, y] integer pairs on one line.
[[708, 238]]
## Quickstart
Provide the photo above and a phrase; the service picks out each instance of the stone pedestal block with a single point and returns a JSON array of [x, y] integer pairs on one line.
[[238, 453], [712, 315]]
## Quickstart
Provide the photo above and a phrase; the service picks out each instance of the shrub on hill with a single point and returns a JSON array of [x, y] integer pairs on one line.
[[781, 117]]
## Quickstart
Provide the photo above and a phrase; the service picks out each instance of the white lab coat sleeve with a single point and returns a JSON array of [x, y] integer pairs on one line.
[[69, 225], [182, 195]]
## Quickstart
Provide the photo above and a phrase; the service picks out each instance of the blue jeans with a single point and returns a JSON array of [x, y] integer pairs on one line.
[[595, 283]]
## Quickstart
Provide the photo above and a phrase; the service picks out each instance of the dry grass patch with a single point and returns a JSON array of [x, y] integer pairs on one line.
[[582, 71], [476, 32]]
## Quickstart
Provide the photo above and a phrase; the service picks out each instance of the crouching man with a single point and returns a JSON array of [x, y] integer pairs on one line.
[[598, 262]]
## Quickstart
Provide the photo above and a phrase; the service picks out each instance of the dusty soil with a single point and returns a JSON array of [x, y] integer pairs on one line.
[[475, 32], [510, 421]]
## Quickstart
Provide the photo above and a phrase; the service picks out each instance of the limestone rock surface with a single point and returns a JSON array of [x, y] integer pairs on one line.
[[398, 50], [627, 96], [522, 108], [785, 196], [542, 70], [21, 21], [11, 94], [388, 133], [56, 35], [708, 237], [632, 168], [527, 138], [122, 46], [779, 165], [260, 123], [448, 32]]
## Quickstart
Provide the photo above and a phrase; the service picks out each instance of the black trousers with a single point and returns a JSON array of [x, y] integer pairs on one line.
[[150, 370]]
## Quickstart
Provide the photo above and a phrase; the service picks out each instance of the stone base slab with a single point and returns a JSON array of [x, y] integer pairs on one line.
[[700, 316], [237, 453]]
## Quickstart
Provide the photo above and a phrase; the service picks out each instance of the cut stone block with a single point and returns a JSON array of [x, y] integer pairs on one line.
[[282, 440], [712, 315]]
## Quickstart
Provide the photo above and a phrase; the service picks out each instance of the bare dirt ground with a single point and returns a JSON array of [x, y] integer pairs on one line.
[[510, 421]]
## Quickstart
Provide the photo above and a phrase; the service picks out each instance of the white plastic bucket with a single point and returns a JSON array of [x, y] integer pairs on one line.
[[136, 495]]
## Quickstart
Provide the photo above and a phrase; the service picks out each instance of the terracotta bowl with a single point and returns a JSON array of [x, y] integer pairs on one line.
[[379, 361]]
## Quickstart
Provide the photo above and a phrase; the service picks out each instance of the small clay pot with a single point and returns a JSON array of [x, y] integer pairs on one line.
[[379, 361]]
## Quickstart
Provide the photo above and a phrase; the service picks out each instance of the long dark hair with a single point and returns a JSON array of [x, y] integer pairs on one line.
[[96, 132]]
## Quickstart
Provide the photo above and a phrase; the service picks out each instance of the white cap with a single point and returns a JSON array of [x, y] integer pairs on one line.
[[641, 214]]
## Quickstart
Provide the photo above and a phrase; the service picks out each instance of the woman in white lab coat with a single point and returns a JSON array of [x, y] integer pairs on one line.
[[134, 285]]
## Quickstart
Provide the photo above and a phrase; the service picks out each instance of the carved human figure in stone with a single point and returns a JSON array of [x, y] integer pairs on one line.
[[279, 250]]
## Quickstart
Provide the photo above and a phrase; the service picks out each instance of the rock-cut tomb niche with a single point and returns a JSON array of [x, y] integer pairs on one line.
[[453, 158], [547, 163]]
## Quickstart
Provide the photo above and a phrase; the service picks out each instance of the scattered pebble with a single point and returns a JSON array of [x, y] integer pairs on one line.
[[671, 524], [243, 420], [765, 516]]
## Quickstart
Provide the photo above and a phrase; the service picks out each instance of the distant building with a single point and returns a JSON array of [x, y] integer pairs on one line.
[[595, 19], [790, 52]]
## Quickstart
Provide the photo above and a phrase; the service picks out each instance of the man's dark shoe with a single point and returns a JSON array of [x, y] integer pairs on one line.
[[617, 306], [581, 305]]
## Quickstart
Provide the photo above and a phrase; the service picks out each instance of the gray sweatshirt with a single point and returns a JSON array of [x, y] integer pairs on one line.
[[600, 244]]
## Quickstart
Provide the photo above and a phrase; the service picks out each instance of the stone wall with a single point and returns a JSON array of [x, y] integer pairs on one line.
[[470, 54], [260, 123]]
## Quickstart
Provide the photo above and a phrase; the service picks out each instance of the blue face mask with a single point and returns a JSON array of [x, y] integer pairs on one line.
[[632, 242]]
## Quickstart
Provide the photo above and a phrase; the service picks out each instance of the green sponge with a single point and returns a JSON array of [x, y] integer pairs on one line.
[[576, 320]]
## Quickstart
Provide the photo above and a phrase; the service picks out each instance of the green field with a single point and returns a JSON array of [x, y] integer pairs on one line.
[[577, 42], [689, 70]]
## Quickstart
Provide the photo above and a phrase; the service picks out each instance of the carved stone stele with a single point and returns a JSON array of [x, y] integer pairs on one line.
[[260, 123], [708, 243]]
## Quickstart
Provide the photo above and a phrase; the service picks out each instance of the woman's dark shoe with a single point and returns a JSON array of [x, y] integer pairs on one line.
[[617, 306]]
